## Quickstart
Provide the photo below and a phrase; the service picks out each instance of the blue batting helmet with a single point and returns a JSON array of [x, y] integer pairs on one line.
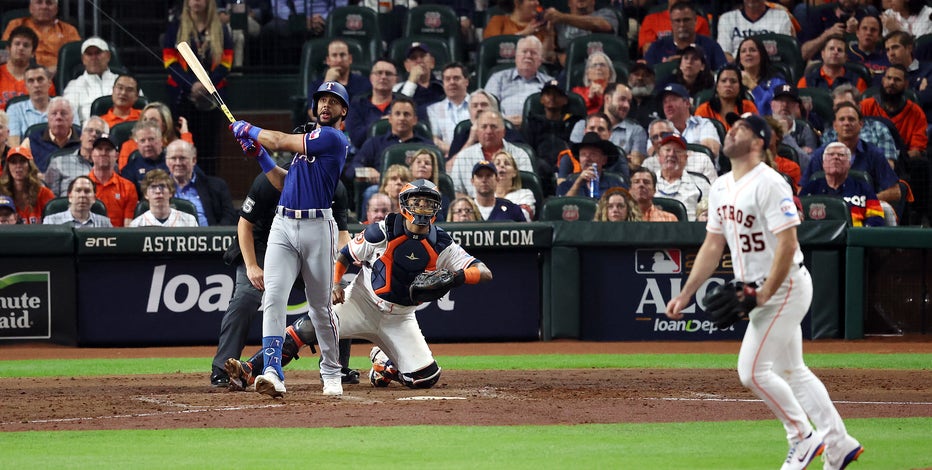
[[335, 89]]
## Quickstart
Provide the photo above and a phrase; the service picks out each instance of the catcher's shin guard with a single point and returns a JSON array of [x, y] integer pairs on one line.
[[300, 332], [424, 378]]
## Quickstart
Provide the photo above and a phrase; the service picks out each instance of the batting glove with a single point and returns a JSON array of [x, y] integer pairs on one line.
[[250, 148], [243, 129]]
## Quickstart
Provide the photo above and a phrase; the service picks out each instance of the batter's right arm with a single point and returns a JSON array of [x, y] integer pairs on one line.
[[710, 254]]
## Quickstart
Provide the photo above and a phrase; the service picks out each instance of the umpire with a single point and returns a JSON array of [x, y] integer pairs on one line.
[[252, 233]]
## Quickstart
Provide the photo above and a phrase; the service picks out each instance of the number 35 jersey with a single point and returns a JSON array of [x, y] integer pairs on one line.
[[749, 213]]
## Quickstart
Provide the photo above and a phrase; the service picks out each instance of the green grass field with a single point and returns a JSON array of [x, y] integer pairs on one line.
[[891, 443]]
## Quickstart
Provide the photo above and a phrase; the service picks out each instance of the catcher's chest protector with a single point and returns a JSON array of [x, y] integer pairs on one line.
[[406, 255]]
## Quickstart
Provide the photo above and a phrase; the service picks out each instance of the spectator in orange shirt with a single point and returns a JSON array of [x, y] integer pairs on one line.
[[657, 25], [125, 94], [523, 17], [53, 33], [158, 113], [117, 193], [20, 181], [643, 188], [833, 71], [892, 104], [20, 49]]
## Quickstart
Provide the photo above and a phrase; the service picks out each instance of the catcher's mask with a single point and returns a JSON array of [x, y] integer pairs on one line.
[[420, 202]]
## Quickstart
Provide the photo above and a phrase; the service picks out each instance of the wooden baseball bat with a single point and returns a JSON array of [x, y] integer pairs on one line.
[[195, 65]]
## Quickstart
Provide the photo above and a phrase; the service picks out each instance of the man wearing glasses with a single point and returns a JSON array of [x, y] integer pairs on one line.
[[683, 18], [368, 109], [696, 162], [63, 169]]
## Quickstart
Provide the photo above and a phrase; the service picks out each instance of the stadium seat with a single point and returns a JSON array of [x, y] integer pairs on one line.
[[672, 206], [922, 49], [121, 132], [821, 207], [784, 49], [182, 205], [438, 48], [446, 186], [382, 126], [568, 208], [15, 99], [493, 52], [438, 21], [529, 180], [102, 105], [70, 65], [60, 204], [399, 154], [358, 23], [821, 101], [664, 70], [581, 48], [576, 106]]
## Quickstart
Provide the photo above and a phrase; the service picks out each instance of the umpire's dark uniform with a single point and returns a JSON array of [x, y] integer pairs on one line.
[[259, 210]]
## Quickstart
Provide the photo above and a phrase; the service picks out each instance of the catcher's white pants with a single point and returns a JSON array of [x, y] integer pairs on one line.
[[306, 246], [392, 327], [771, 363]]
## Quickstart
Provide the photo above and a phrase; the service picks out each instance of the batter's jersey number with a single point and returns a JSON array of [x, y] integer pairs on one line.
[[751, 242]]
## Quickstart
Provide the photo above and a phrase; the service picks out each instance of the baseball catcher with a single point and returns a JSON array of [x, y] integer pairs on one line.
[[727, 303], [405, 260]]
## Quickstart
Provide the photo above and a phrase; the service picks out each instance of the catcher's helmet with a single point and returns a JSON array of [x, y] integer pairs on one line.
[[333, 88], [424, 210]]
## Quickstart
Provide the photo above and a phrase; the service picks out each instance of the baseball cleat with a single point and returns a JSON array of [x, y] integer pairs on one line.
[[219, 379], [383, 371], [349, 376], [802, 452], [333, 387], [270, 384], [240, 374], [845, 453]]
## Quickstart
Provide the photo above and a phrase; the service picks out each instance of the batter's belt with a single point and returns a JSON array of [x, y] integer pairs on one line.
[[304, 213]]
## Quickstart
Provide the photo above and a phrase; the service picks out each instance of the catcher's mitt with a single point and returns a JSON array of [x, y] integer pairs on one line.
[[432, 285], [723, 305]]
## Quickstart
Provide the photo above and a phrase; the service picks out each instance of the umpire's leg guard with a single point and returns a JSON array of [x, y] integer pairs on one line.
[[424, 378]]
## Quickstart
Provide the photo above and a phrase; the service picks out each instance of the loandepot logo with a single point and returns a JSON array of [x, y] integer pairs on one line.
[[25, 309]]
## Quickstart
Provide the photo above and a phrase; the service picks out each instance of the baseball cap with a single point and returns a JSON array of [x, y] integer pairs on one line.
[[553, 85], [7, 202], [758, 125], [675, 89], [94, 42], [484, 164], [20, 150], [641, 66], [104, 138], [417, 46], [672, 138], [787, 90]]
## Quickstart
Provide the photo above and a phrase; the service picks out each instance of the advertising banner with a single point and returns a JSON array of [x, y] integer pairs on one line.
[[37, 299], [630, 305]]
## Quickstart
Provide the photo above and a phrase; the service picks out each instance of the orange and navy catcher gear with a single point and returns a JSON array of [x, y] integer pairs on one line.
[[416, 209], [333, 88], [406, 255]]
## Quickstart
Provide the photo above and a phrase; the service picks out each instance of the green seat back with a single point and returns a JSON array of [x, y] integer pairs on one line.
[[569, 208]]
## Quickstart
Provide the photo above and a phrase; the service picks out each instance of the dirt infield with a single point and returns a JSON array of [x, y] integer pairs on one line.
[[462, 397]]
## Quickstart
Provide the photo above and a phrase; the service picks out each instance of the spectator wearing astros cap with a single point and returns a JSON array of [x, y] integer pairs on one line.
[[20, 181]]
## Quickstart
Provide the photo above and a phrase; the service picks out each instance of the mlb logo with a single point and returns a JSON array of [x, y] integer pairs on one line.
[[817, 211], [595, 46], [432, 19], [570, 213], [506, 51], [354, 22], [658, 261], [771, 47]]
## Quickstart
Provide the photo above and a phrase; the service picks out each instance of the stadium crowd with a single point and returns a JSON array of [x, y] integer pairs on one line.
[[519, 110]]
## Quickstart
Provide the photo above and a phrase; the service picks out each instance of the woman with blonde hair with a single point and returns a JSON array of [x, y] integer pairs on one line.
[[509, 184], [4, 138], [394, 178], [600, 71], [464, 209], [425, 165], [617, 205], [160, 114], [20, 180], [199, 26]]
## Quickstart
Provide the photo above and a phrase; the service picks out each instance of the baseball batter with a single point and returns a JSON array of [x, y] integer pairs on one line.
[[377, 305], [752, 210], [303, 237]]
